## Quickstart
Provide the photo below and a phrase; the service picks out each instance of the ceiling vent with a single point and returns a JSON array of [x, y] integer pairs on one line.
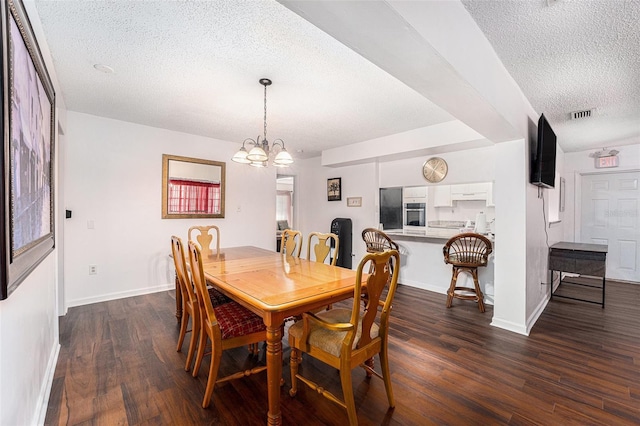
[[575, 115]]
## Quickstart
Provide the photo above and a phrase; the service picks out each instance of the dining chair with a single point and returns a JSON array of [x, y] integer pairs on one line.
[[190, 306], [204, 237], [348, 338], [322, 247], [377, 241], [227, 326], [466, 252], [291, 243]]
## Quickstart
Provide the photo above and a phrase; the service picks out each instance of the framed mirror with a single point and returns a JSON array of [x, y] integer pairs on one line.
[[192, 188]]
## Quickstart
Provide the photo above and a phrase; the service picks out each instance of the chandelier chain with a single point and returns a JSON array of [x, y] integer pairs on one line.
[[265, 112]]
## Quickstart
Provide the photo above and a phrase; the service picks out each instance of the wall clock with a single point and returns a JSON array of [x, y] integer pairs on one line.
[[434, 169]]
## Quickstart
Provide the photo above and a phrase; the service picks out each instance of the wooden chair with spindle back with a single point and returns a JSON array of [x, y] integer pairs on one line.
[[205, 238], [377, 241], [348, 338], [291, 243], [466, 252], [191, 308], [227, 326], [322, 247]]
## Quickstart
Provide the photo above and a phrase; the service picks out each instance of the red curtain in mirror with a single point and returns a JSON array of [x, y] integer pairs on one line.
[[188, 196]]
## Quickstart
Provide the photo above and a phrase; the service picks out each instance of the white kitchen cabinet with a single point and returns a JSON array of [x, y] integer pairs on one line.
[[490, 202], [414, 192], [442, 196], [470, 191]]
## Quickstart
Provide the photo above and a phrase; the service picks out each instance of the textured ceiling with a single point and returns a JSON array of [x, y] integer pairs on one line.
[[572, 55], [194, 67]]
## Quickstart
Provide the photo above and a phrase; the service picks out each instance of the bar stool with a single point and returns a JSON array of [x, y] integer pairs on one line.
[[466, 253]]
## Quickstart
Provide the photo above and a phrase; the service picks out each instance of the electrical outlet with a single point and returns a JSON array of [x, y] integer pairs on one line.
[[93, 269]]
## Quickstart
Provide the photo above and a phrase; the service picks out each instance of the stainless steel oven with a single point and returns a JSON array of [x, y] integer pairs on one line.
[[415, 214]]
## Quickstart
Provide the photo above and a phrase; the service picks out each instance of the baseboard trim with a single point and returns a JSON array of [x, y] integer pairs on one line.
[[121, 295], [488, 298], [45, 390]]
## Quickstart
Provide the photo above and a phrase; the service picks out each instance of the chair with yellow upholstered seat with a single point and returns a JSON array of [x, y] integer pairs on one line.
[[227, 326], [204, 236], [291, 243], [348, 338], [322, 247], [467, 252]]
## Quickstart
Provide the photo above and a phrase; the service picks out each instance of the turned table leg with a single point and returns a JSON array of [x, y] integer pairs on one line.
[[274, 372]]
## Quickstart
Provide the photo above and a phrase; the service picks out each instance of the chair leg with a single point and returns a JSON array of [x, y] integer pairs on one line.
[[371, 363], [474, 273], [216, 354], [294, 361], [452, 286], [202, 343], [183, 329], [386, 374], [195, 336], [347, 391]]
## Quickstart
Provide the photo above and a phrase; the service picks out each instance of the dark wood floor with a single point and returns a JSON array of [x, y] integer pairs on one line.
[[580, 365]]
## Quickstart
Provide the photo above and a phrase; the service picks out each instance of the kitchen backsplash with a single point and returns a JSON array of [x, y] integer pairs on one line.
[[462, 211]]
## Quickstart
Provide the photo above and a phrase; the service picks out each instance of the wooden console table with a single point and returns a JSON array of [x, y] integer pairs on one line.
[[579, 258]]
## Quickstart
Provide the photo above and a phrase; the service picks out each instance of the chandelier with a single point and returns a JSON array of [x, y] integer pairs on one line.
[[258, 156]]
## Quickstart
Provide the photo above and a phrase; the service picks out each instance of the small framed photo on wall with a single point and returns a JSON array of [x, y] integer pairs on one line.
[[334, 189]]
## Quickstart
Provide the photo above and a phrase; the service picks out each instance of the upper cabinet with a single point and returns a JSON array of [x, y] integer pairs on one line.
[[445, 195], [470, 191], [414, 194], [442, 196]]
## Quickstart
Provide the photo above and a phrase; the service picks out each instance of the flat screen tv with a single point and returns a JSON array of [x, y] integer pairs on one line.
[[543, 156]]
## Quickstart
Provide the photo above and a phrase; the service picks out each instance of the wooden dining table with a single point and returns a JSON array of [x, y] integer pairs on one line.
[[276, 287]]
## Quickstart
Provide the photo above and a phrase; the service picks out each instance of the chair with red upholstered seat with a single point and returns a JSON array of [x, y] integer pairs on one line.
[[190, 301], [227, 326]]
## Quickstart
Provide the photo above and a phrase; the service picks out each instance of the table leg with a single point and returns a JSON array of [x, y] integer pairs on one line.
[[178, 301], [274, 372]]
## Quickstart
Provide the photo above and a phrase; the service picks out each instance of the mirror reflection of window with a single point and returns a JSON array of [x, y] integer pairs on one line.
[[284, 199], [193, 188]]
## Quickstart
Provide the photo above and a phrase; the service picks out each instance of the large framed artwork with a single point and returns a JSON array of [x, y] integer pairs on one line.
[[28, 107]]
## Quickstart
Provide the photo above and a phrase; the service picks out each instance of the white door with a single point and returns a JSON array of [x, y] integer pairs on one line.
[[609, 215]]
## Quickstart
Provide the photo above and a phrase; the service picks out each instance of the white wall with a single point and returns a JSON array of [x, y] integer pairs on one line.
[[29, 342], [113, 179], [315, 213], [29, 346]]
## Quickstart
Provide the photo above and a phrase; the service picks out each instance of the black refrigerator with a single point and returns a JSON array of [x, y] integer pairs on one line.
[[391, 208], [342, 227]]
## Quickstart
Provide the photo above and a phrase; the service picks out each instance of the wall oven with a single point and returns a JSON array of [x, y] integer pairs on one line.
[[414, 214]]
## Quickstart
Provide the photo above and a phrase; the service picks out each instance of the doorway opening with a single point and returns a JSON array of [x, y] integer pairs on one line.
[[285, 206]]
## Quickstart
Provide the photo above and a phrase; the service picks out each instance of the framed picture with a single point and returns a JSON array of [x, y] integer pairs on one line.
[[562, 194], [28, 106], [334, 189], [354, 201]]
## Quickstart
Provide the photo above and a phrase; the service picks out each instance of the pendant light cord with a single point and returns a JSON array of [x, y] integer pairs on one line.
[[265, 112]]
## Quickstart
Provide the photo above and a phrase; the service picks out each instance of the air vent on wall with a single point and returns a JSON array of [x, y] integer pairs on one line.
[[582, 114]]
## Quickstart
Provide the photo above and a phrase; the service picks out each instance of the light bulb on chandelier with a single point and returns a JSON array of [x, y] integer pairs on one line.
[[258, 156]]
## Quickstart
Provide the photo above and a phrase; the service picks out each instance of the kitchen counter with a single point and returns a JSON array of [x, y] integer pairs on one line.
[[422, 261], [427, 233]]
